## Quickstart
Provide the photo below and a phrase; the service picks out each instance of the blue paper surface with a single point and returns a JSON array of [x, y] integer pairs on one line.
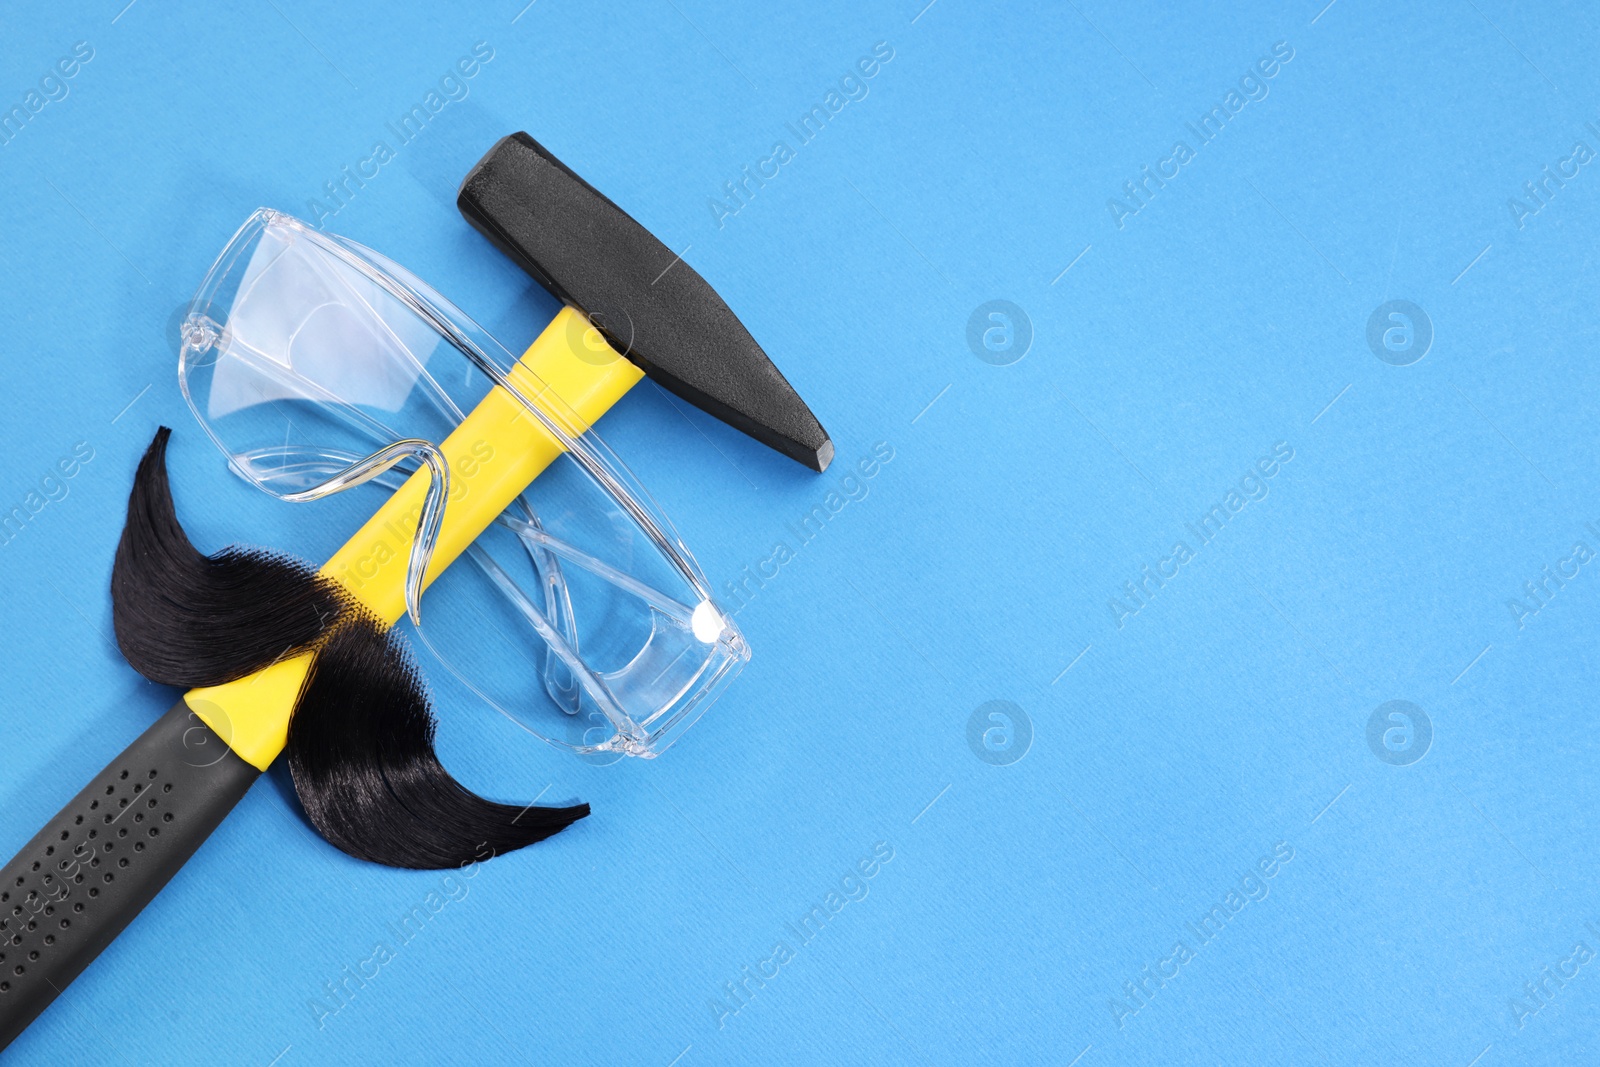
[[1095, 672]]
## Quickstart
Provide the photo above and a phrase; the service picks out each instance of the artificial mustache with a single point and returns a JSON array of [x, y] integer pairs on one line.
[[361, 738]]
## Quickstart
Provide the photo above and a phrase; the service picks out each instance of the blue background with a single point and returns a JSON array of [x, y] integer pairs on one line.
[[1167, 755]]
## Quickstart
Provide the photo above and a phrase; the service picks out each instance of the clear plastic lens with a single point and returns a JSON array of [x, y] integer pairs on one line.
[[317, 365], [299, 361]]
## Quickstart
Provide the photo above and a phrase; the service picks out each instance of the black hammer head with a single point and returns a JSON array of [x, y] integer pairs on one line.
[[650, 305]]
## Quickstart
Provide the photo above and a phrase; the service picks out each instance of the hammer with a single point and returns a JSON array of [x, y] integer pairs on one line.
[[68, 893]]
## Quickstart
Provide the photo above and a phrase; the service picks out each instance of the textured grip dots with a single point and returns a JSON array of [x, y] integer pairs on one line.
[[104, 833], [100, 860]]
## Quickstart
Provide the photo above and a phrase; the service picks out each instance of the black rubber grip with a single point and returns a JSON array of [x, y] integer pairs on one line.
[[84, 877], [648, 303]]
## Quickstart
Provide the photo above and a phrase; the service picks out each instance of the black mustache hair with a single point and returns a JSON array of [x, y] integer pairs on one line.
[[360, 743], [186, 619], [361, 754]]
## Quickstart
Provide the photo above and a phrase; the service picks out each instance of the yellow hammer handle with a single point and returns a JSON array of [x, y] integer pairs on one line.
[[494, 454]]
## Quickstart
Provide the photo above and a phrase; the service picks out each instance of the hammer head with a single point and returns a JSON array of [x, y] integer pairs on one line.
[[650, 305]]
